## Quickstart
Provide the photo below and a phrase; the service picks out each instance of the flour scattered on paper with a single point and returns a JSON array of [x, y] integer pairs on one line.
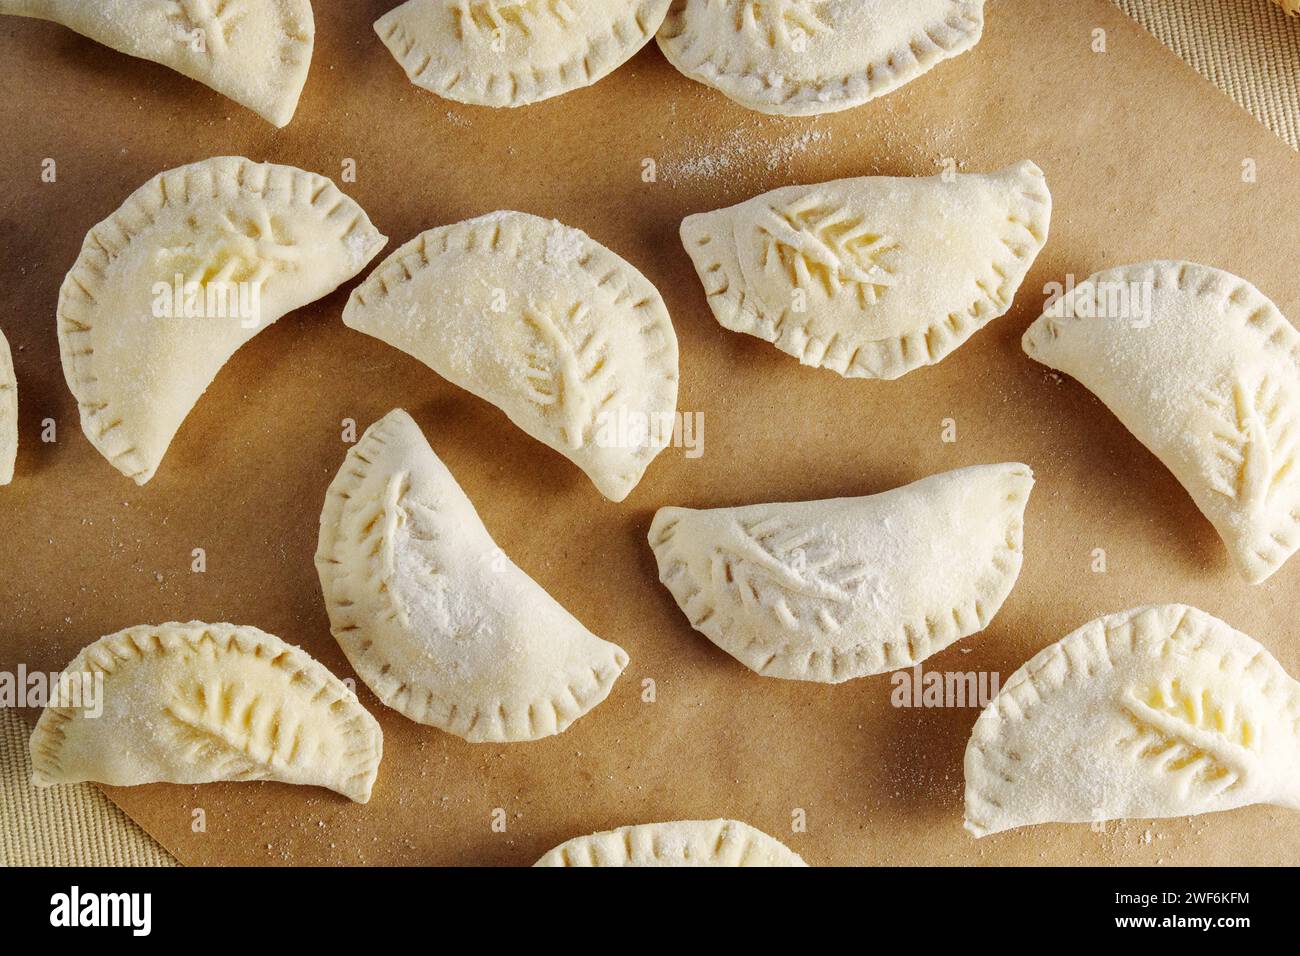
[[738, 151], [749, 149]]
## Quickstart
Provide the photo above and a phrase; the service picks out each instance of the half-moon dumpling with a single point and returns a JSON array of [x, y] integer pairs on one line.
[[196, 703], [831, 590], [194, 264], [562, 335], [1159, 711], [8, 413], [800, 57], [514, 52], [1203, 369], [256, 52], [681, 843], [875, 276], [437, 621]]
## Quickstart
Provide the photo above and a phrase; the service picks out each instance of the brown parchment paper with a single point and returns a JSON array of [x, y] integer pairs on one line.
[[1144, 159]]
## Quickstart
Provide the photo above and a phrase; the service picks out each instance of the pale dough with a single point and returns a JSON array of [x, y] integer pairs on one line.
[[831, 590], [1205, 371], [721, 843], [1160, 711], [195, 263], [197, 703], [514, 52], [569, 340], [256, 52], [875, 276], [801, 57], [8, 413], [435, 618]]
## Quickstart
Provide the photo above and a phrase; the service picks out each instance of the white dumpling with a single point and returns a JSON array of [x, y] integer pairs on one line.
[[1160, 711], [195, 263], [832, 590], [565, 337], [875, 276], [256, 52], [437, 621], [198, 703], [1205, 371]]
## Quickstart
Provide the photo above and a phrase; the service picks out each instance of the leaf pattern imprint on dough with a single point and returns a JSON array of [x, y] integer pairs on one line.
[[781, 22], [824, 247], [1166, 721], [1253, 435], [228, 734], [567, 367], [213, 20], [753, 559], [248, 250], [499, 17]]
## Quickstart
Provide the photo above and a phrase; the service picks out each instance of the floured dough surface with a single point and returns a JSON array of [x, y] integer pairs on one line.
[[256, 52], [195, 263], [1160, 711], [568, 339], [801, 57], [515, 52], [722, 843], [435, 618], [198, 703], [875, 276], [1205, 371], [837, 589]]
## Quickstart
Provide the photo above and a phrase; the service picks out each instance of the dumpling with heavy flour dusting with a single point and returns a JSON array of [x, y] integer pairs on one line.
[[832, 590], [1204, 370], [1161, 711], [437, 621], [565, 337]]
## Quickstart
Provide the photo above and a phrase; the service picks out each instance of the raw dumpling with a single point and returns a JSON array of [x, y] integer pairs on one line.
[[1159, 711], [799, 57], [8, 413], [682, 843], [256, 52], [194, 264], [437, 621], [196, 703], [831, 590], [1203, 369], [566, 338], [872, 277], [514, 52]]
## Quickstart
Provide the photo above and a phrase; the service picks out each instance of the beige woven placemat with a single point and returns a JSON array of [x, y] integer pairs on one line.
[[62, 826], [1248, 48]]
